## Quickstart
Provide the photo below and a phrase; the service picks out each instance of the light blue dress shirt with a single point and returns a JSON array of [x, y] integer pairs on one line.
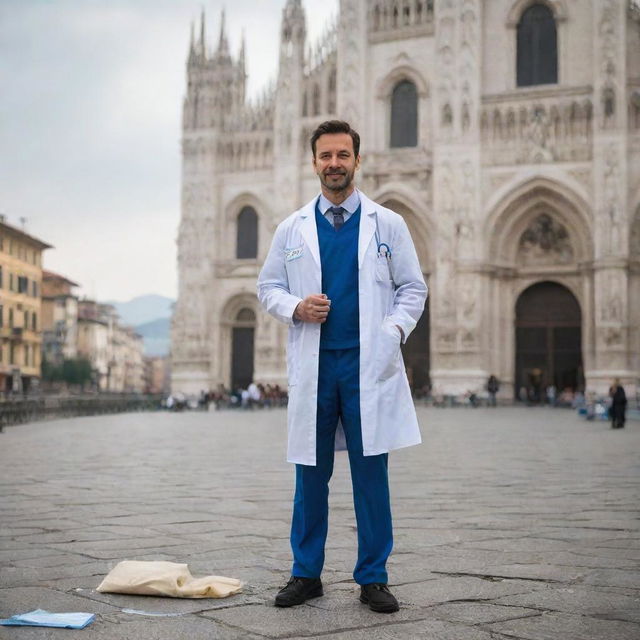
[[350, 206]]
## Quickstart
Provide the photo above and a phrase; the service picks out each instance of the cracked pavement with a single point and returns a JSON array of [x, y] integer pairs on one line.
[[509, 523]]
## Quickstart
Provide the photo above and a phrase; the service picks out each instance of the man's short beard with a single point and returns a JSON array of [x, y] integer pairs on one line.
[[341, 186]]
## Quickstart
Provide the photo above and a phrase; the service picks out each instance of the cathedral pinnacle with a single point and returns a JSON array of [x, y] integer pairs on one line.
[[202, 43], [223, 44], [192, 44], [241, 56]]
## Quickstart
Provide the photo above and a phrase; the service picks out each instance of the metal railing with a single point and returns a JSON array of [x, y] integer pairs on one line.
[[19, 411]]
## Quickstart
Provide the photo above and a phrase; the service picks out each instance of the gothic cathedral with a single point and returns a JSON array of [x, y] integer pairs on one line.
[[505, 132]]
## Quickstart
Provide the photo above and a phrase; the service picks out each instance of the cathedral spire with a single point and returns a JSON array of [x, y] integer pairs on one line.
[[192, 43], [293, 23], [241, 56], [202, 43], [223, 44]]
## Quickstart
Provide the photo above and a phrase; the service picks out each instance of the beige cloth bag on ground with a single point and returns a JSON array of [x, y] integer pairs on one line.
[[165, 579]]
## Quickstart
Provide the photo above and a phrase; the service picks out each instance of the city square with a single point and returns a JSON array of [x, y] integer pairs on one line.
[[509, 523]]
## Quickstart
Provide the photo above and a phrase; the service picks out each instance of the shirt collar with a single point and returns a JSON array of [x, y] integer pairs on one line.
[[351, 204]]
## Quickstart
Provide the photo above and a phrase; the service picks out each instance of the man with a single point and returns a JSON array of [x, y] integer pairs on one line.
[[343, 273]]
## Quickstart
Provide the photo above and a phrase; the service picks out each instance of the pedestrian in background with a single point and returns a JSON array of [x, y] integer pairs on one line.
[[493, 387], [343, 273], [618, 408]]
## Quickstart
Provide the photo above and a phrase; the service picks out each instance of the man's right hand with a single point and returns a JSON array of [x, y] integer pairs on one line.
[[314, 308]]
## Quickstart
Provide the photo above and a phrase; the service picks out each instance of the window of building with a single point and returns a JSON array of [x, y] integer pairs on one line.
[[11, 282], [247, 238], [1, 316], [404, 115], [26, 320], [12, 353], [1, 280], [23, 284], [34, 288], [11, 318], [1, 243], [537, 53], [34, 321]]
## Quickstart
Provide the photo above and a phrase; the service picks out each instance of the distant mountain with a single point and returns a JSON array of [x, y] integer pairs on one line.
[[143, 309], [156, 335]]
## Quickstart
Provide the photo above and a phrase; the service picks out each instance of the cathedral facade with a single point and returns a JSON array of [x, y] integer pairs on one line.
[[505, 132]]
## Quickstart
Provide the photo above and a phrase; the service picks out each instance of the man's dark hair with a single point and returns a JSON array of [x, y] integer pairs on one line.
[[336, 126]]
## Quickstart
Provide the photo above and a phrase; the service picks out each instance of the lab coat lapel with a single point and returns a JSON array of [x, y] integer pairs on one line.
[[308, 229], [367, 226]]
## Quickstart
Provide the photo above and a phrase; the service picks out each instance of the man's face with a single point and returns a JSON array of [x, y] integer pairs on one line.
[[335, 162]]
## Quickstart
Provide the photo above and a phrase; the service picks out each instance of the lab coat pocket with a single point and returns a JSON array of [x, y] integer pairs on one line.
[[383, 272], [388, 359]]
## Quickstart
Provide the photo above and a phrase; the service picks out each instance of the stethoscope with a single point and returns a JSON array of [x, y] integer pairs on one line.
[[384, 250]]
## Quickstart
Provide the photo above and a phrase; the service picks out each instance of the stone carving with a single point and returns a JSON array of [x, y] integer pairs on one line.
[[538, 134], [612, 308], [545, 242], [611, 336], [612, 217], [607, 30], [468, 339], [447, 75], [468, 63], [547, 131], [446, 340], [465, 226], [467, 295]]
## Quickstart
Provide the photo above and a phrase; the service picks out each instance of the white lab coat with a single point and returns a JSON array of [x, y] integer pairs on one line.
[[390, 293]]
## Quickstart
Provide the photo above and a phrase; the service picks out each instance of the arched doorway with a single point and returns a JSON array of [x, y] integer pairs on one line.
[[548, 340], [242, 342]]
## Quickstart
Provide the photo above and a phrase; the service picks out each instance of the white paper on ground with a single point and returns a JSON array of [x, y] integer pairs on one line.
[[42, 618]]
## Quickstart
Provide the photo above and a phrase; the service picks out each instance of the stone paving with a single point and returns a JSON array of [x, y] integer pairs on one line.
[[509, 523]]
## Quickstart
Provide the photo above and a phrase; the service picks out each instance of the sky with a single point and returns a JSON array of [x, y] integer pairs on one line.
[[90, 126]]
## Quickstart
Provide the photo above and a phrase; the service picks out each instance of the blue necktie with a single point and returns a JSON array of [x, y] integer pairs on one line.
[[338, 217]]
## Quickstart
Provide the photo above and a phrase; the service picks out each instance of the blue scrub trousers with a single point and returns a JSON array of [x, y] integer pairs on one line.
[[339, 397]]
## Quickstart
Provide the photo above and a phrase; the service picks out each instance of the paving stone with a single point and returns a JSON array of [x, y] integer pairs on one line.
[[464, 588], [581, 600], [427, 629], [566, 627], [614, 577], [480, 612], [334, 612]]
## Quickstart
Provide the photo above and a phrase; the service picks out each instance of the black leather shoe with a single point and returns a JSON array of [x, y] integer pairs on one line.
[[298, 590], [378, 597]]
